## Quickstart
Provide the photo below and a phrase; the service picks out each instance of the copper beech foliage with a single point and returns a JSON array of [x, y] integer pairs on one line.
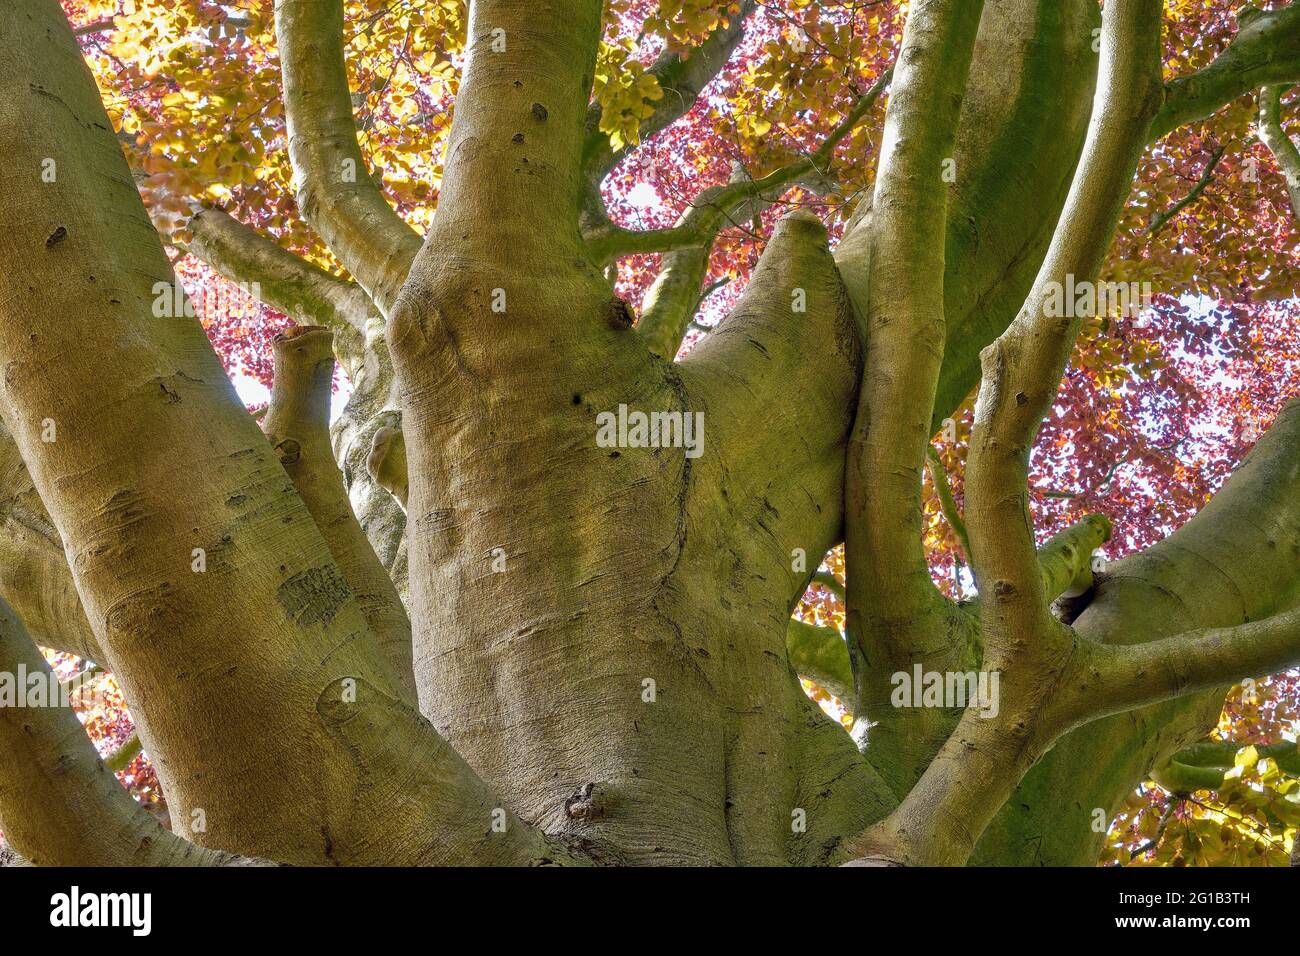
[[1156, 408]]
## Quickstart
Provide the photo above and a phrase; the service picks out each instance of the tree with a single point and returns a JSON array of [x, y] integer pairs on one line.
[[530, 600]]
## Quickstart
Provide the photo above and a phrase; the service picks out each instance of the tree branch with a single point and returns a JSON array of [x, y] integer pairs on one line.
[[1221, 755], [1279, 143], [1165, 819], [995, 241], [719, 206], [34, 572], [335, 191], [1120, 678], [1229, 564], [297, 426], [940, 819], [674, 298], [820, 654], [890, 613], [282, 280], [751, 355], [514, 154], [387, 462], [1160, 219], [1065, 559], [1221, 568], [681, 77], [746, 364], [209, 586], [947, 504], [288, 283], [121, 758], [1023, 367], [59, 804], [1264, 52], [827, 580]]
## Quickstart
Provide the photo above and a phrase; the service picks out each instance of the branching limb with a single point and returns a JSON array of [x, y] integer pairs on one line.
[[387, 462], [890, 613], [297, 425], [1283, 148], [59, 804], [1023, 368], [1161, 826], [1265, 52], [282, 280], [947, 504], [34, 572], [820, 654], [830, 582], [1230, 563], [336, 192], [1177, 777], [994, 744], [209, 586], [313, 296], [1065, 559], [719, 206], [514, 154], [1158, 222], [674, 298], [1223, 564], [121, 758], [1201, 766], [681, 77], [1119, 678], [794, 301]]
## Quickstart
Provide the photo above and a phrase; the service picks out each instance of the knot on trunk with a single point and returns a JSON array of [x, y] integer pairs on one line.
[[289, 450], [589, 802], [619, 314]]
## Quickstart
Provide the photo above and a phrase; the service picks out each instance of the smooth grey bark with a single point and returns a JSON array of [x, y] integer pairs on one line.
[[301, 688], [622, 568]]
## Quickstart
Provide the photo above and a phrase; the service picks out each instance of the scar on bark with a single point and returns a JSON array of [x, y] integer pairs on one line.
[[314, 596]]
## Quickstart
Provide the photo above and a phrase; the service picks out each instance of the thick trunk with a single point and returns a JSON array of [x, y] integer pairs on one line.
[[601, 628], [574, 644], [204, 576]]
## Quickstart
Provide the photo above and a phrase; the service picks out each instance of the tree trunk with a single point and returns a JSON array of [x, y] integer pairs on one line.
[[467, 628]]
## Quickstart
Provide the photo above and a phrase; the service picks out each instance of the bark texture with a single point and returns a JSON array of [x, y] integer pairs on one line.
[[458, 626]]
